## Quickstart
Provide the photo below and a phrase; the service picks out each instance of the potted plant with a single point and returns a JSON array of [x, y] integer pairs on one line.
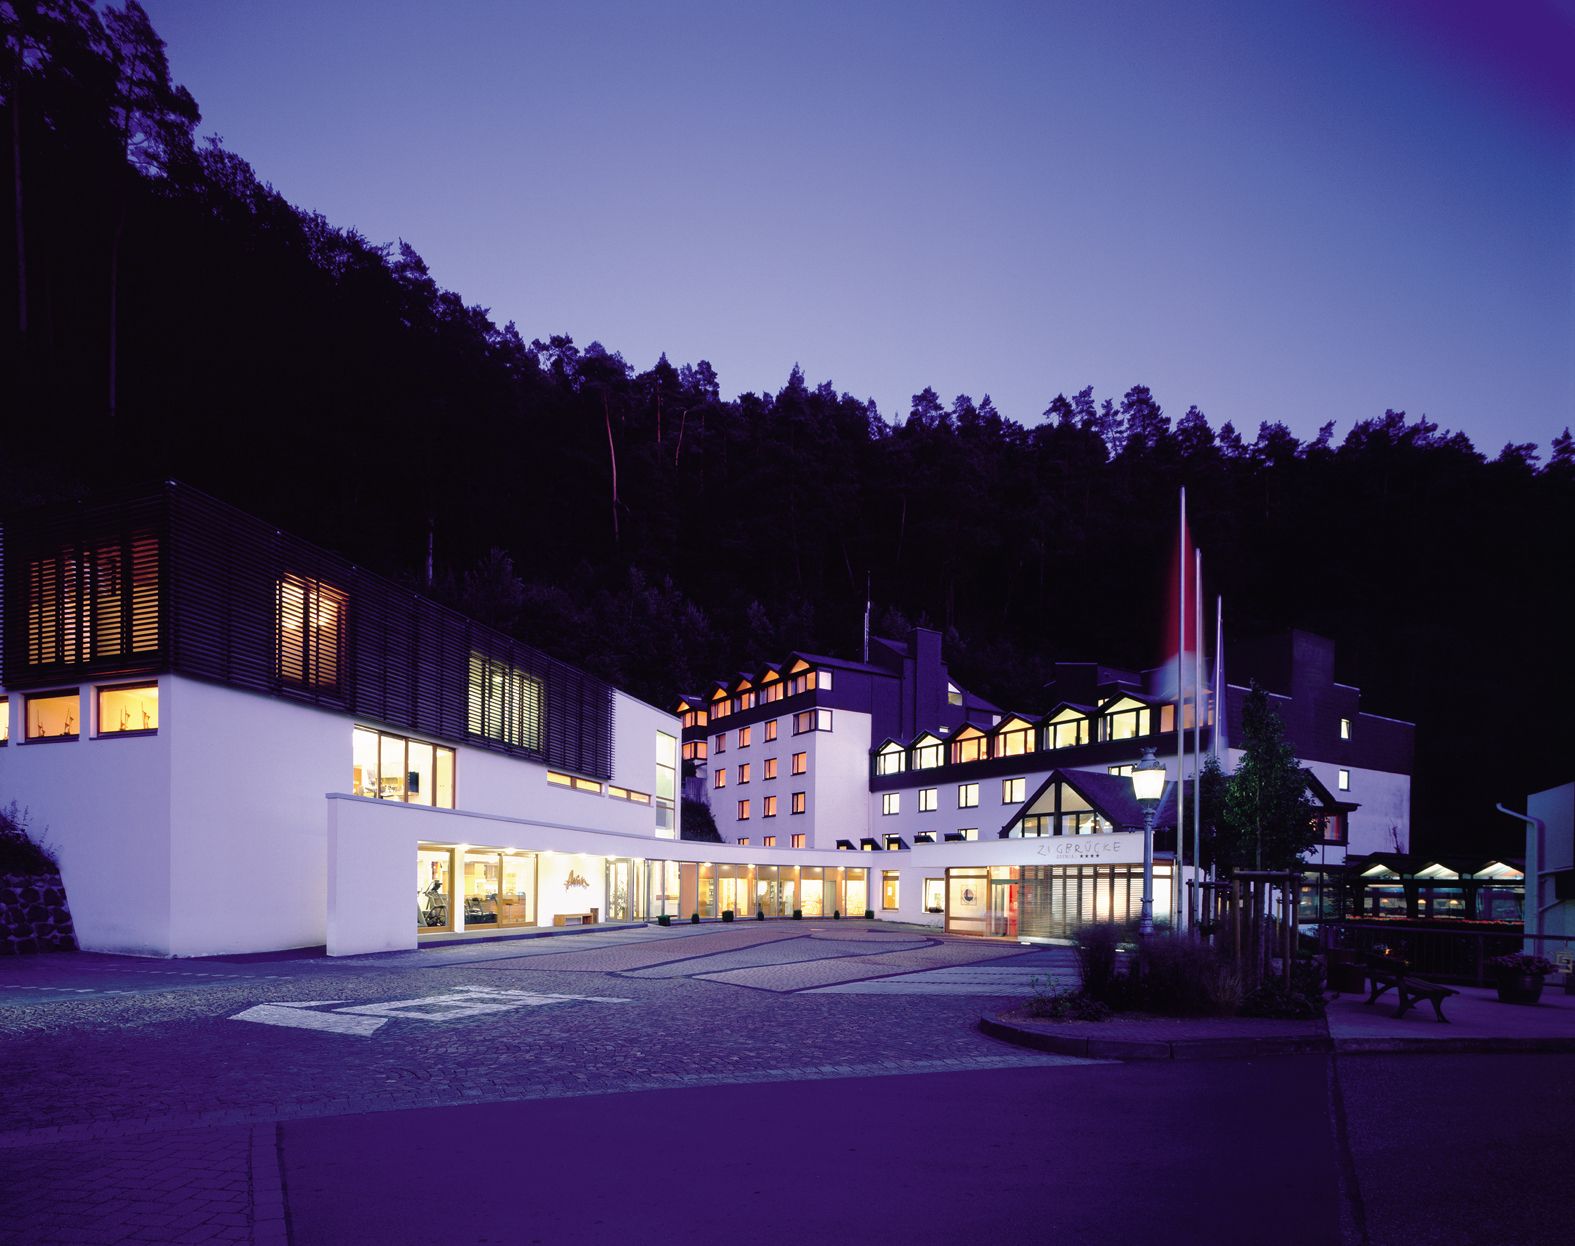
[[836, 914], [664, 919], [869, 914], [694, 919], [727, 915], [798, 915], [1520, 977], [760, 915]]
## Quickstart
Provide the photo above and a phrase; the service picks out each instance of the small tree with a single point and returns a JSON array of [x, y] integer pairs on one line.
[[1265, 817]]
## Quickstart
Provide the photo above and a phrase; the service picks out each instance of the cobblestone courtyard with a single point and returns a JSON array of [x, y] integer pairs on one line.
[[142, 1098]]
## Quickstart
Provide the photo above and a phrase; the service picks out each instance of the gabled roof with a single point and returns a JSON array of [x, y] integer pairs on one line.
[[1109, 794], [1061, 707]]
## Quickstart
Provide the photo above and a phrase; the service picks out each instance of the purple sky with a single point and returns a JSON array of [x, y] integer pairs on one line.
[[1297, 211]]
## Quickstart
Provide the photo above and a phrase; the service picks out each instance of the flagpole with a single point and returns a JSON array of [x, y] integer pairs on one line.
[[1197, 737], [1219, 675], [1181, 730]]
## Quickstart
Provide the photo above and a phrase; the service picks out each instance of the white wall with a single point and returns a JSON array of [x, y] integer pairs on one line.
[[1556, 808], [103, 805]]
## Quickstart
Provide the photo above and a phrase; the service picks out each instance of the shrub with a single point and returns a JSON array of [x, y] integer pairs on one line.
[[1288, 1002], [1513, 963], [1182, 977], [664, 920], [1054, 1004], [1097, 944], [20, 853]]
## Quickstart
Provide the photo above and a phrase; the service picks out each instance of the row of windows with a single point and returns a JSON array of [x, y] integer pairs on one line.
[[770, 841], [746, 696], [394, 767], [768, 770], [120, 709], [1013, 792], [893, 843], [768, 806]]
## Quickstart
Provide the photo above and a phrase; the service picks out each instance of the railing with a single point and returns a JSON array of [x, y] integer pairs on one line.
[[1447, 953]]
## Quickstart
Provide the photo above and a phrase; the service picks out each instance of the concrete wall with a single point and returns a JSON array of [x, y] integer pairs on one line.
[[1545, 913]]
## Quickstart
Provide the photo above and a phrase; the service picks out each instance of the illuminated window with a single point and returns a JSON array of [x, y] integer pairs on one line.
[[744, 701], [891, 803], [798, 803], [770, 769], [888, 888], [695, 750], [52, 716], [5, 721], [771, 728], [811, 720], [666, 785], [953, 694], [1013, 791], [719, 779], [1067, 730], [312, 633], [392, 767], [1126, 720], [743, 773], [745, 735], [969, 833], [1014, 738], [934, 894], [743, 811], [771, 690], [720, 741], [86, 604], [967, 795], [892, 759], [770, 807], [744, 841], [970, 745], [558, 779], [770, 841], [893, 843], [799, 840], [1121, 772], [719, 707], [928, 753], [800, 763], [505, 703], [1345, 728], [128, 708], [1345, 781], [927, 799], [587, 785]]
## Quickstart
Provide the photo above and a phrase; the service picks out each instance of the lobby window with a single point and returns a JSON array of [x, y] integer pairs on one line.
[[892, 759], [800, 763], [798, 802], [769, 807], [745, 735], [312, 633], [505, 703], [967, 796], [743, 772], [393, 767], [928, 753], [721, 742], [811, 720], [888, 889], [1345, 728], [719, 779], [891, 803], [799, 840], [928, 797], [128, 709], [770, 841], [934, 895], [52, 716], [1344, 780], [771, 729], [89, 603], [769, 769], [743, 811], [666, 784], [1013, 791]]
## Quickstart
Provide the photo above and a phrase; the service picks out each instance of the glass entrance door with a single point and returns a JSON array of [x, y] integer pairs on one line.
[[1003, 908]]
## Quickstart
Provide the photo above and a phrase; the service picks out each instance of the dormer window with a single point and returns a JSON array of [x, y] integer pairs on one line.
[[928, 753], [1126, 720], [1067, 729], [970, 745], [1014, 738], [892, 759]]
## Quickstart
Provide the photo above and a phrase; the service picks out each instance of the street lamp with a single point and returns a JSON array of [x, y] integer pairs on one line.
[[1148, 785]]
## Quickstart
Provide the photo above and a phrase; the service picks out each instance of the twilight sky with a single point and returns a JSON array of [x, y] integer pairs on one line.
[[1299, 211]]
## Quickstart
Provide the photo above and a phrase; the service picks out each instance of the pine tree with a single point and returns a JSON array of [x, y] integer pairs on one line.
[[1266, 817]]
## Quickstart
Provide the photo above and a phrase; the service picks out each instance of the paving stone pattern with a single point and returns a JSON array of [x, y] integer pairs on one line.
[[124, 1107]]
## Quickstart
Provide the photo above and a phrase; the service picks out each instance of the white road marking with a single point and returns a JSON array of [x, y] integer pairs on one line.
[[363, 1020]]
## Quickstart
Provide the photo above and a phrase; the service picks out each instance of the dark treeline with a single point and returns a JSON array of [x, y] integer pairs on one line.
[[167, 313]]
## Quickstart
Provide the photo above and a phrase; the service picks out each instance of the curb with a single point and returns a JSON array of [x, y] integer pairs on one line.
[[1248, 1047]]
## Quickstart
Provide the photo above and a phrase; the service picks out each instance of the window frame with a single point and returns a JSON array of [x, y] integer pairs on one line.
[[98, 709]]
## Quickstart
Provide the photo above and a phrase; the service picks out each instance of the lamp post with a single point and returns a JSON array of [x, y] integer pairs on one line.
[[1148, 785]]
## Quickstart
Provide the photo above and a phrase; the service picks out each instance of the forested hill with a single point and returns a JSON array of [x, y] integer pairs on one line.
[[166, 313]]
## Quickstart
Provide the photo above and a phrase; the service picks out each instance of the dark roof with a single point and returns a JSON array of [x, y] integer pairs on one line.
[[1409, 863], [1109, 794]]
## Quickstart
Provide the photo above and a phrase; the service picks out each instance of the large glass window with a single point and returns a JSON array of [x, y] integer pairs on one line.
[[5, 721], [392, 767], [970, 746], [483, 882], [434, 888], [506, 704], [934, 895], [1014, 738], [312, 632], [1067, 730], [128, 708], [53, 716]]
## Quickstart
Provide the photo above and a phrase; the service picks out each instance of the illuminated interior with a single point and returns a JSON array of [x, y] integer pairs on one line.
[[311, 632], [393, 767], [505, 703], [1067, 729], [128, 708], [53, 716]]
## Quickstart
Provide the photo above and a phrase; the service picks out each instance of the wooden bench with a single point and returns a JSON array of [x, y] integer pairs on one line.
[[574, 919], [1388, 973]]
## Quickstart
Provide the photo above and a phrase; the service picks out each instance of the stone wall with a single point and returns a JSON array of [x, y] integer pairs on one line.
[[34, 916]]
